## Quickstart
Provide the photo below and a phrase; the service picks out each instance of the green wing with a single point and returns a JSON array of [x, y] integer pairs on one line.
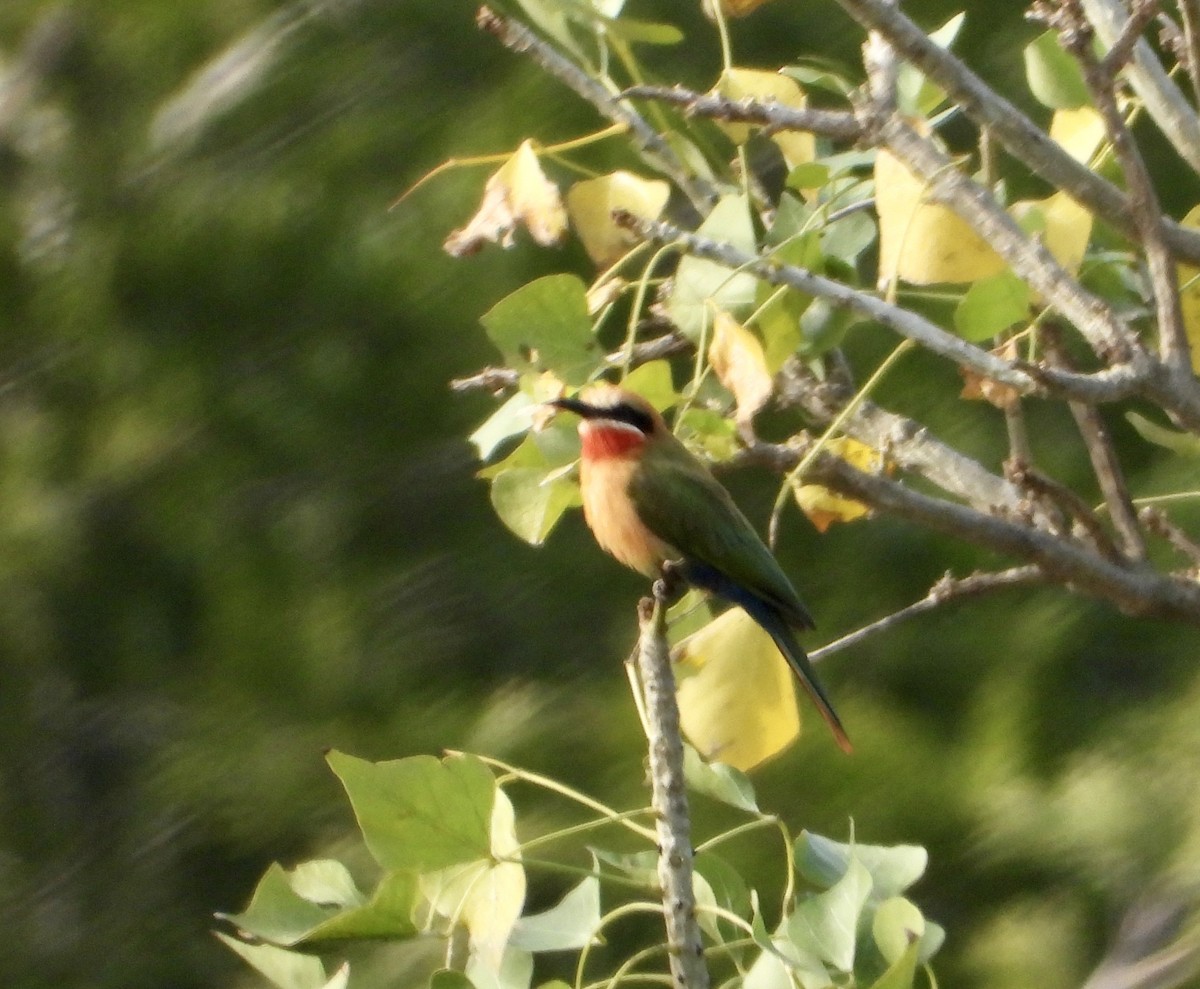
[[684, 505]]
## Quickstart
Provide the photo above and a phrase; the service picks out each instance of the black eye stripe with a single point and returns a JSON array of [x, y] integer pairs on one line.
[[633, 416]]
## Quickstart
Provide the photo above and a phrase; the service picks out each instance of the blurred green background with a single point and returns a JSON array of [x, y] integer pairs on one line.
[[239, 522]]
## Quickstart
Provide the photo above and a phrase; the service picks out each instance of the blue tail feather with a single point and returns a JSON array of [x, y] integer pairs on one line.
[[776, 626]]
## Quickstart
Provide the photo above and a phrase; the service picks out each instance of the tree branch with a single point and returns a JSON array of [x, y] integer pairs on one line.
[[518, 38], [947, 589], [1137, 591], [1112, 384], [1019, 135], [839, 125], [675, 854]]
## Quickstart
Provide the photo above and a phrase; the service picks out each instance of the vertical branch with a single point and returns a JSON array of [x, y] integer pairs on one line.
[[675, 854], [1076, 35]]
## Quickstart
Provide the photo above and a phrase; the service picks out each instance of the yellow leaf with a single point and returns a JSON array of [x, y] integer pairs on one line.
[[591, 203], [485, 896], [1079, 132], [518, 193], [768, 87], [737, 696], [824, 507], [1189, 294], [737, 359], [923, 242]]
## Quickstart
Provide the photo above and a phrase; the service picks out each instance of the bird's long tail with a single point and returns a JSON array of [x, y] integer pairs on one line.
[[781, 633]]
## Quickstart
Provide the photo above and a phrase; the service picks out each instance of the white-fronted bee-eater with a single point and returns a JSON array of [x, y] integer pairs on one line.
[[648, 500]]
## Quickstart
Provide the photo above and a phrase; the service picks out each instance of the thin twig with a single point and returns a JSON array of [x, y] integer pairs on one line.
[[947, 589], [518, 38], [669, 795], [1068, 501], [1156, 521], [500, 380], [1105, 463], [839, 125]]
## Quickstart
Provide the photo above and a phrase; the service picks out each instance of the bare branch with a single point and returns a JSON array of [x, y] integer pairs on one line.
[[1157, 522], [669, 795], [1136, 591], [1109, 385], [945, 591], [1143, 200], [1162, 98], [839, 125], [1020, 136], [1189, 12]]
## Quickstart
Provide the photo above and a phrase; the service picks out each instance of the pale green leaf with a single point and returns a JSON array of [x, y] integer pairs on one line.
[[282, 968], [421, 812], [991, 305], [701, 286], [827, 923], [893, 869], [568, 925], [652, 381], [902, 972], [719, 781], [1054, 77], [896, 925], [544, 326]]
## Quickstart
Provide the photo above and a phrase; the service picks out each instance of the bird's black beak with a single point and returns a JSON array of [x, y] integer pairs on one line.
[[581, 409]]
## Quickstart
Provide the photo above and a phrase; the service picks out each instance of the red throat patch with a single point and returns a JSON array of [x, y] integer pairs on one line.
[[604, 441]]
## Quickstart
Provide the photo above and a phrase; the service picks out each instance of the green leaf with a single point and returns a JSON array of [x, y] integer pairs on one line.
[[991, 305], [282, 968], [709, 430], [277, 913], [448, 978], [318, 902], [388, 913], [902, 972], [653, 382], [326, 881], [569, 925], [701, 285], [716, 780], [896, 925], [511, 419], [530, 503], [420, 813], [514, 972], [641, 867], [643, 32], [916, 94], [728, 890], [824, 326], [827, 924], [823, 862], [1054, 77], [545, 326], [1185, 444], [846, 238], [782, 960]]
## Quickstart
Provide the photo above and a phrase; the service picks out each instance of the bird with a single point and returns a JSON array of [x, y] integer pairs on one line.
[[649, 501]]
